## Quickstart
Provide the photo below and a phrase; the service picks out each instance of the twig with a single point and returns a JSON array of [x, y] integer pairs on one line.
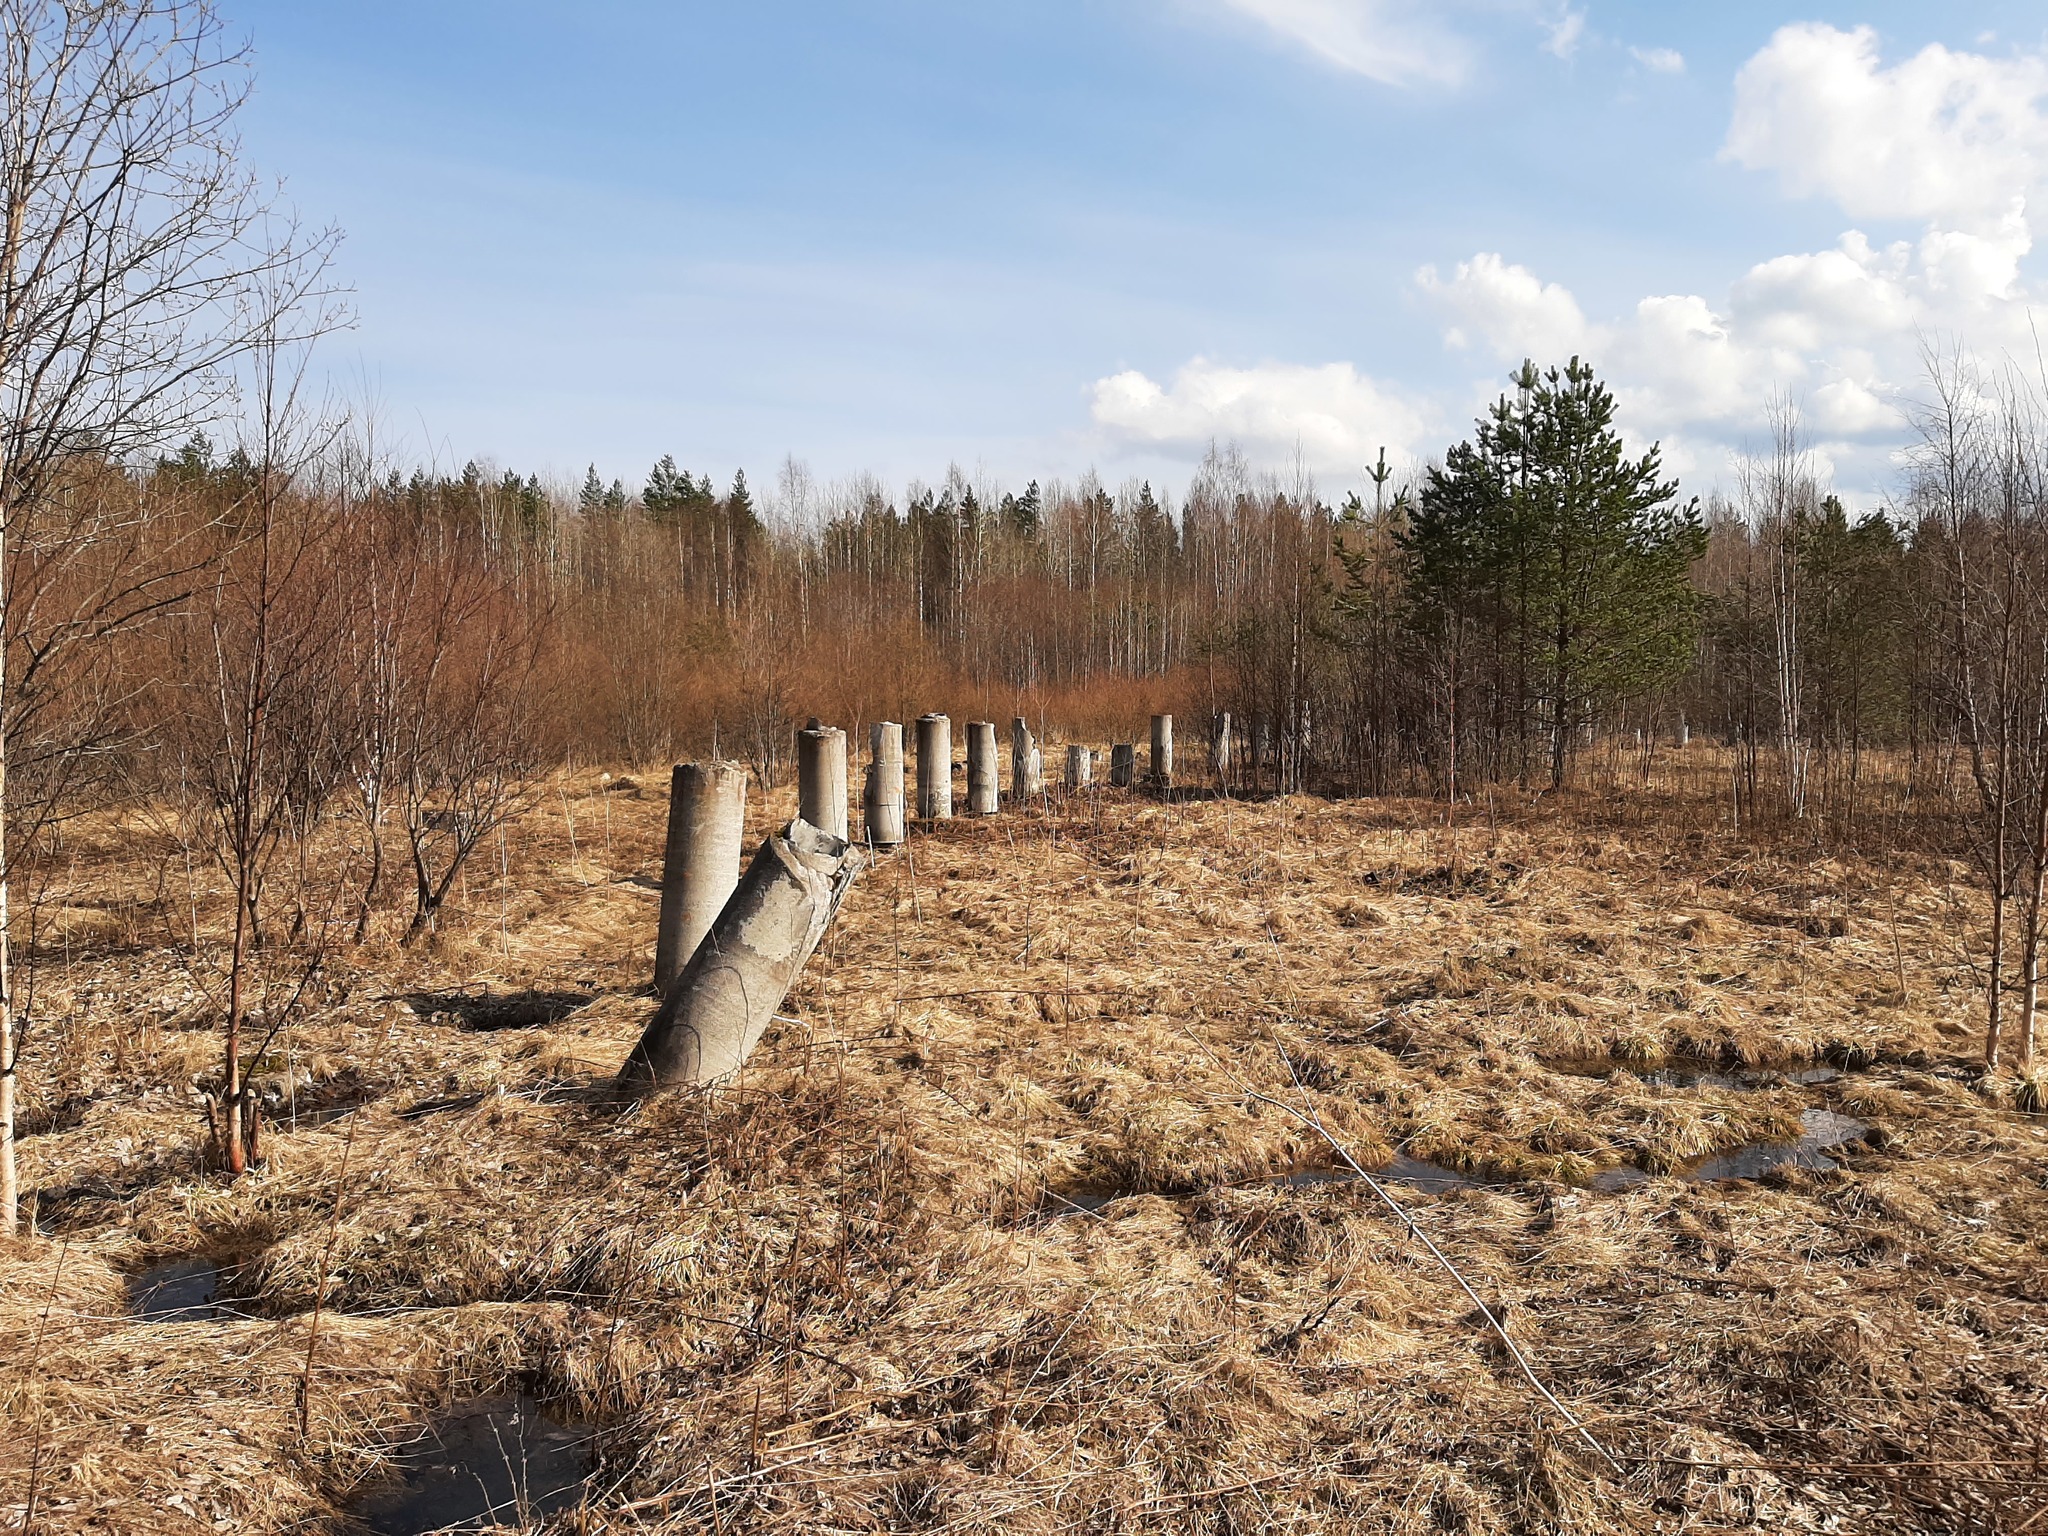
[[35, 1360], [1314, 1122]]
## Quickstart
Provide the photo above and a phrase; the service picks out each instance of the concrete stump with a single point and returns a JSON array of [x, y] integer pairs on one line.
[[1027, 762], [821, 778], [1162, 751], [1080, 767], [724, 999], [700, 863], [881, 801], [934, 768], [983, 791], [1123, 765]]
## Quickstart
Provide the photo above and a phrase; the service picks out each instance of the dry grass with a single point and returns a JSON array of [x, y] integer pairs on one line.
[[834, 1298]]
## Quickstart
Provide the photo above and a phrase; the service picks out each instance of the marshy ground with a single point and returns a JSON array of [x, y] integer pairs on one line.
[[1005, 1228]]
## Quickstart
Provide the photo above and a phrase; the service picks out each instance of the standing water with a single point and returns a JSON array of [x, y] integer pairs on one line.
[[494, 1461]]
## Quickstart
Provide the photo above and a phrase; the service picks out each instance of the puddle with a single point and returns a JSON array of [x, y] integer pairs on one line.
[[1824, 1131], [495, 1461], [1430, 1178], [1693, 1072], [178, 1291], [499, 1010]]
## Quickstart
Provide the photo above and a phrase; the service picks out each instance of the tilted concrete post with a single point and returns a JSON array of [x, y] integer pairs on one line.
[[722, 1003], [1080, 767], [700, 865], [881, 802], [1123, 765], [983, 798], [1221, 751], [934, 767], [1162, 751], [821, 778]]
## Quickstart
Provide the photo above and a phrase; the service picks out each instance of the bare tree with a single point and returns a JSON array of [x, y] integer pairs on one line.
[[1981, 484], [137, 260]]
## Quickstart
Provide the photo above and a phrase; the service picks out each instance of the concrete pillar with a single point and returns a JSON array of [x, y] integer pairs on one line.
[[881, 802], [983, 787], [1220, 752], [1123, 765], [821, 778], [1027, 762], [1684, 734], [934, 768], [1162, 751], [1080, 767], [722, 1002], [700, 865]]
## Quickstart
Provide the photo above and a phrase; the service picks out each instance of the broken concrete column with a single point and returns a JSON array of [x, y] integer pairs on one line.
[[1123, 765], [1220, 752], [934, 767], [724, 999], [881, 801], [1162, 751], [1080, 767], [700, 865], [1027, 762], [983, 793], [821, 778]]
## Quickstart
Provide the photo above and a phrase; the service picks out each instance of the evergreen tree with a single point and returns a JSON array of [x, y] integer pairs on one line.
[[591, 497], [668, 490], [1023, 514], [1572, 557]]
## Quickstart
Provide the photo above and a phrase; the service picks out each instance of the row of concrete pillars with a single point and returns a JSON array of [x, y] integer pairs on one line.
[[728, 945]]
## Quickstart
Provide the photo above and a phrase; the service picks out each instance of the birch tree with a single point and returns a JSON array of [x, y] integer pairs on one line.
[[139, 262]]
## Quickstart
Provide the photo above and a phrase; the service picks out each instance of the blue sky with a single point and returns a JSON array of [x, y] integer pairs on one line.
[[1041, 238]]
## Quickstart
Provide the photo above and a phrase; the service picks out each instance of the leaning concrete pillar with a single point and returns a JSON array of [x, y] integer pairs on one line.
[[821, 778], [1221, 751], [934, 767], [983, 796], [722, 1002], [1162, 751], [881, 801], [700, 865], [1080, 767], [1123, 765]]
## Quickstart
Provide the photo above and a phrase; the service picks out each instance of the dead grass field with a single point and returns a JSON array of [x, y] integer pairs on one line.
[[848, 1296]]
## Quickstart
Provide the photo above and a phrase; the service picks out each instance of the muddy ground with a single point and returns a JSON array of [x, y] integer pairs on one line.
[[1020, 1220]]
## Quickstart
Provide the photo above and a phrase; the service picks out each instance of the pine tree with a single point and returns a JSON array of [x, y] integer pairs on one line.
[[668, 489], [1574, 558], [1023, 514], [591, 497]]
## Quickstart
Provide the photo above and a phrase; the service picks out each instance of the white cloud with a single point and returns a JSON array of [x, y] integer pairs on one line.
[[1396, 42], [1565, 33], [1948, 136], [1659, 61], [1337, 418], [1839, 331], [1507, 309]]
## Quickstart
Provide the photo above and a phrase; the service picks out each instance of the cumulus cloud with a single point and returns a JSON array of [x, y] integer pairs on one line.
[[1955, 137], [1507, 308], [1659, 61], [1337, 418], [1396, 42]]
